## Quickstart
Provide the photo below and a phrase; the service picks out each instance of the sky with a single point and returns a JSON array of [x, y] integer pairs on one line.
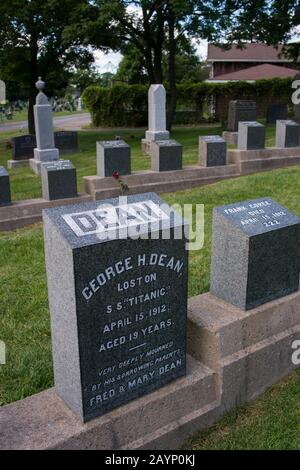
[[109, 62]]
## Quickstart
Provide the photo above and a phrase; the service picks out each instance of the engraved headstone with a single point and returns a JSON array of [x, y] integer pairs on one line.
[[113, 156], [5, 197], [23, 147], [212, 150], [45, 150], [66, 141], [118, 303], [287, 134], [240, 110], [157, 113], [166, 155], [277, 111], [251, 136], [255, 252], [58, 180]]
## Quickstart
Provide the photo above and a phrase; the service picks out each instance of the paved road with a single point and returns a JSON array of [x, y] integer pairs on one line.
[[72, 122]]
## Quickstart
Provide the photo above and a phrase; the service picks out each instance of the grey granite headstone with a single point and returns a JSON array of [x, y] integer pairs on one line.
[[66, 141], [45, 150], [58, 180], [287, 134], [118, 303], [277, 111], [166, 155], [212, 150], [255, 252], [5, 197], [251, 136], [113, 156], [157, 113], [240, 110], [23, 146]]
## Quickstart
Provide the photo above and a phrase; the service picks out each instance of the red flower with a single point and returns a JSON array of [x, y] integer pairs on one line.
[[116, 175]]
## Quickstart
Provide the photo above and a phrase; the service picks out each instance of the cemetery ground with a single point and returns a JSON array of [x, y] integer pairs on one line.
[[271, 422], [26, 185]]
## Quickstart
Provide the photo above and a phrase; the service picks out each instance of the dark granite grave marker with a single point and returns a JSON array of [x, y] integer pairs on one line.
[[287, 134], [58, 180], [212, 150], [251, 136], [5, 197], [66, 141], [166, 155], [255, 252], [113, 156], [118, 303], [240, 110], [22, 147], [277, 111]]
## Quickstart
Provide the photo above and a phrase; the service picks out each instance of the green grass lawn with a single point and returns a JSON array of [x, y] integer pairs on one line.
[[271, 422], [26, 185]]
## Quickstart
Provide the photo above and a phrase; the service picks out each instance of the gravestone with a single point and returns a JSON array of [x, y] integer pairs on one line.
[[113, 156], [166, 155], [58, 180], [255, 252], [212, 150], [5, 197], [66, 141], [45, 150], [277, 111], [240, 110], [157, 113], [156, 117], [287, 134], [118, 303], [251, 136], [296, 117], [23, 147]]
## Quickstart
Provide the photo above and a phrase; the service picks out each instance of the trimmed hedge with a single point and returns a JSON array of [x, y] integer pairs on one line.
[[126, 105]]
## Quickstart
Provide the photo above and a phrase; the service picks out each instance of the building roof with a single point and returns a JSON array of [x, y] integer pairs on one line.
[[252, 52], [258, 72]]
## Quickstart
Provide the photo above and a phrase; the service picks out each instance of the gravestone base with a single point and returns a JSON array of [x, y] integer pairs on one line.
[[254, 161], [35, 165], [146, 146], [17, 163], [230, 137], [234, 356]]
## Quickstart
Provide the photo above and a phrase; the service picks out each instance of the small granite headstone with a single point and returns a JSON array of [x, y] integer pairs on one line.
[[287, 134], [277, 111], [66, 141], [251, 136], [23, 146], [5, 197], [113, 156], [166, 155], [240, 110], [212, 150], [118, 303], [58, 180], [255, 252]]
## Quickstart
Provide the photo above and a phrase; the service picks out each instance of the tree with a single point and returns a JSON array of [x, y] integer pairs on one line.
[[44, 38], [269, 21], [154, 25]]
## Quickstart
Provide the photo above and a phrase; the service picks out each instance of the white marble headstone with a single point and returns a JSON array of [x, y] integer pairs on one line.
[[157, 113]]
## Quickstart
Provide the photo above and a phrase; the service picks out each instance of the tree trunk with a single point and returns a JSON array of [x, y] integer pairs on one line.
[[32, 89], [172, 72], [158, 74]]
